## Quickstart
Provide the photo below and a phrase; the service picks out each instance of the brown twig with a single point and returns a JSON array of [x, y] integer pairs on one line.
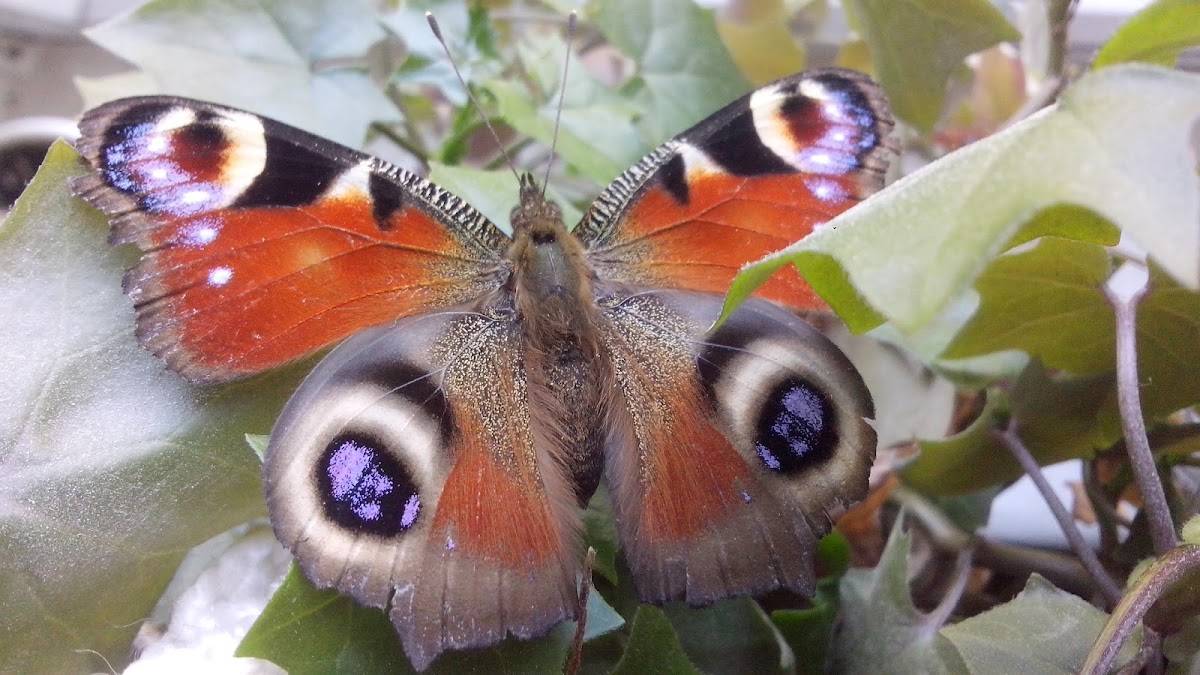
[[1012, 442], [575, 661], [1063, 570], [1129, 401], [1163, 573]]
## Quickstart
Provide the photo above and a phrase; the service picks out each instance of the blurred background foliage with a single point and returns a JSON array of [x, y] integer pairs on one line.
[[1026, 180]]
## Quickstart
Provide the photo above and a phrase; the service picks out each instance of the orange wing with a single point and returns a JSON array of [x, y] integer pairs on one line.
[[758, 175], [264, 243]]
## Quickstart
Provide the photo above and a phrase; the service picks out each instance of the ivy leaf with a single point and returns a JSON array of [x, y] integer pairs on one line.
[[1059, 418], [600, 532], [1046, 302], [308, 630], [111, 468], [653, 647], [596, 135], [1168, 346], [1042, 630], [258, 443], [949, 466], [684, 72], [468, 33], [877, 610], [293, 60], [1157, 34], [809, 631], [916, 44], [759, 37], [1117, 144], [729, 636], [492, 193]]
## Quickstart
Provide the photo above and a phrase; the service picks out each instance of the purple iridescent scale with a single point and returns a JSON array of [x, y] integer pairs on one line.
[[365, 489]]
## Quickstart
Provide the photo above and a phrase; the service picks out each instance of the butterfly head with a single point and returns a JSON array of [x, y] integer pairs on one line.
[[551, 277], [535, 216]]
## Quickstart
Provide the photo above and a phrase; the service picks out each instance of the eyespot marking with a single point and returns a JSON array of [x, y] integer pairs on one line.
[[797, 428], [364, 489]]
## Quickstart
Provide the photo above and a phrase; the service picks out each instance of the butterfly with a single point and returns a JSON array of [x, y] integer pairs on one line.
[[435, 462]]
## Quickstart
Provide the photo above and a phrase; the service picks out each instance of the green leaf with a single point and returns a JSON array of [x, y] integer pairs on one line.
[[833, 555], [596, 136], [1182, 647], [1168, 346], [951, 466], [1047, 302], [916, 44], [293, 60], [493, 193], [809, 631], [1059, 418], [1063, 418], [111, 467], [653, 647], [307, 630], [1157, 34], [1042, 630], [258, 443], [1117, 144], [684, 72], [970, 511], [760, 38], [882, 632], [1071, 222], [600, 532], [469, 34], [729, 636]]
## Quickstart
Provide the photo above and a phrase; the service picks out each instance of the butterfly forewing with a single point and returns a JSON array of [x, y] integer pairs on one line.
[[264, 243], [404, 472], [756, 176]]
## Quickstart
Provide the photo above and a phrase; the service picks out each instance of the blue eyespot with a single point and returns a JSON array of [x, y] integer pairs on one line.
[[365, 489], [797, 428]]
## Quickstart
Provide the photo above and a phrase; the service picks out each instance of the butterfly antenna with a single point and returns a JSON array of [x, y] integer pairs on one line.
[[437, 33], [572, 21]]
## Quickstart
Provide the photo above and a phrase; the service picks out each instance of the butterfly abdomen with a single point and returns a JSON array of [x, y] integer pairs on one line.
[[568, 372]]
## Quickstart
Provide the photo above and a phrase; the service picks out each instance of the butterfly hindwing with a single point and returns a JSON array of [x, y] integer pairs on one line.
[[263, 242], [404, 473], [754, 177], [729, 446]]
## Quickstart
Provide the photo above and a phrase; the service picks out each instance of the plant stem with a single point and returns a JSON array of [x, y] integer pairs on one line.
[[1149, 587], [575, 660], [403, 142], [1108, 588], [943, 533], [1063, 570], [1060, 14], [1129, 400]]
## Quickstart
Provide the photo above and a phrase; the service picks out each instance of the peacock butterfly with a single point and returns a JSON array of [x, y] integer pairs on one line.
[[435, 462]]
